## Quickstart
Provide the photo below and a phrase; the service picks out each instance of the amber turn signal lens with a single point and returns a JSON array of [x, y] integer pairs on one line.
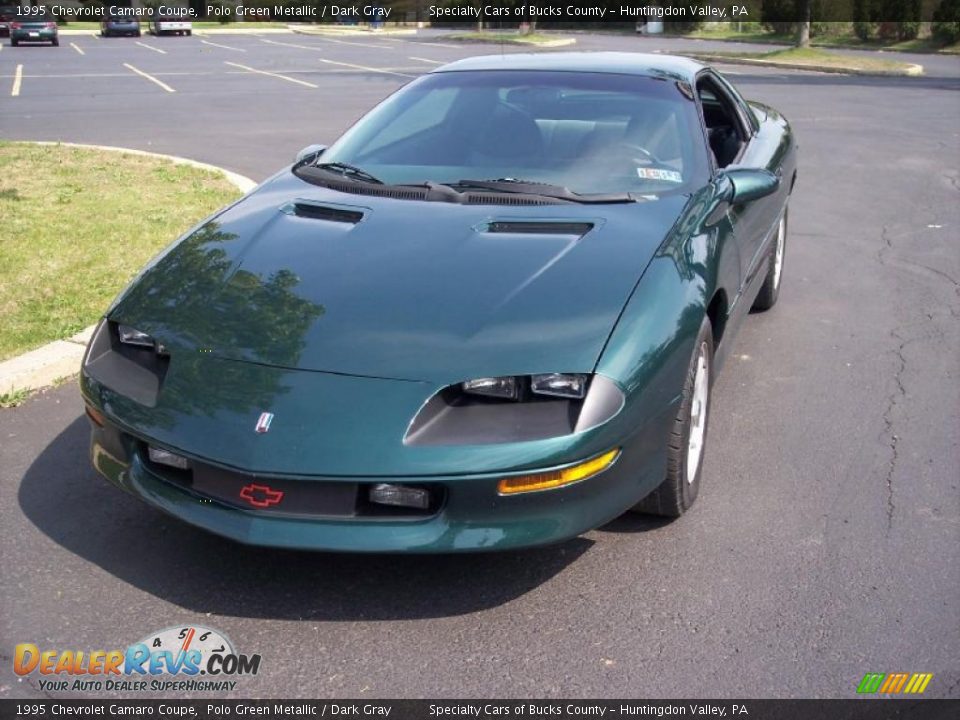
[[558, 478], [96, 416]]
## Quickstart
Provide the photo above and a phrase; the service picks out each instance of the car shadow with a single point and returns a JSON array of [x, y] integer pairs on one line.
[[633, 522], [201, 572]]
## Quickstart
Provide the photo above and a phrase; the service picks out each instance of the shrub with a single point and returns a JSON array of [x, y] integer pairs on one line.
[[777, 16], [946, 22]]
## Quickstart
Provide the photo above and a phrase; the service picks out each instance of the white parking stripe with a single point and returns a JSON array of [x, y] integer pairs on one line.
[[428, 60], [364, 67], [151, 47], [325, 39], [271, 74], [77, 48], [436, 44], [151, 78], [17, 79], [225, 47]]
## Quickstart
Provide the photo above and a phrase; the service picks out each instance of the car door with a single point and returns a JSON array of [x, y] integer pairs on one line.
[[752, 221]]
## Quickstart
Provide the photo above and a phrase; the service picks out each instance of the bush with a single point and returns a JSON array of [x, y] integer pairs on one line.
[[777, 16], [864, 14], [946, 22], [886, 19]]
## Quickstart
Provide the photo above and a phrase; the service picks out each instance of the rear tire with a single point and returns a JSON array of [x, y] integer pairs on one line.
[[55, 42], [189, 33], [687, 440], [14, 43], [770, 290]]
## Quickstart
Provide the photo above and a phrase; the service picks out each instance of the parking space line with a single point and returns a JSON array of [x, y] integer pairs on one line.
[[314, 47], [17, 79], [364, 67], [428, 60], [151, 78], [271, 74], [151, 47], [225, 47], [77, 48]]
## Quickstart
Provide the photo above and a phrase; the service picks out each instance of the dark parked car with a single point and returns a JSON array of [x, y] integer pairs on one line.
[[34, 28], [119, 22], [488, 316], [8, 14]]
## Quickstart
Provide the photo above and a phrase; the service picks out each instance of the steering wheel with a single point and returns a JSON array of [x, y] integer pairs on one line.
[[637, 148]]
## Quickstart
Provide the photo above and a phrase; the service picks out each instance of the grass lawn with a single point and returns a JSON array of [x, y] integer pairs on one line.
[[511, 38], [845, 40], [816, 58], [77, 225]]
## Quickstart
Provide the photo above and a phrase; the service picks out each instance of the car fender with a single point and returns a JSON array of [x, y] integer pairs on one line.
[[649, 350]]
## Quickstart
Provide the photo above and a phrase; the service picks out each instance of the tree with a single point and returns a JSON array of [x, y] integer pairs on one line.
[[803, 26]]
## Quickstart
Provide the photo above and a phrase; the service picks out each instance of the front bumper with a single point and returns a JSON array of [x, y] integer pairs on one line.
[[472, 516]]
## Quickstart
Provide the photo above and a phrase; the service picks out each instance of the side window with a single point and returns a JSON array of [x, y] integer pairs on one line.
[[724, 131]]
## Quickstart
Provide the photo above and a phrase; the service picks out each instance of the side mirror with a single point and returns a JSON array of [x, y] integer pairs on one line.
[[751, 184], [310, 152]]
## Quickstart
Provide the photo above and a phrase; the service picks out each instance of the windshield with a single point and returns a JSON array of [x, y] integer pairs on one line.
[[589, 132]]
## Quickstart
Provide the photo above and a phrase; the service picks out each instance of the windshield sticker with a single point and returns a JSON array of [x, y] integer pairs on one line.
[[646, 173]]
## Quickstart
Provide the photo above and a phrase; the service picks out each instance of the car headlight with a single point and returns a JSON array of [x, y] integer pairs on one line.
[[498, 387], [515, 408], [132, 336], [564, 385], [560, 385]]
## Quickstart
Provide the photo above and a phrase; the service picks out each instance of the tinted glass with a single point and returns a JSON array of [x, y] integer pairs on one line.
[[591, 132]]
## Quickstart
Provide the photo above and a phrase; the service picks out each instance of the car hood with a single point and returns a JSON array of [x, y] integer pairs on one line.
[[304, 277]]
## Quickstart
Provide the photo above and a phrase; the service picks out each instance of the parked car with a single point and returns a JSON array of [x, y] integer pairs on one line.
[[489, 316], [118, 22], [8, 14], [39, 28], [171, 25]]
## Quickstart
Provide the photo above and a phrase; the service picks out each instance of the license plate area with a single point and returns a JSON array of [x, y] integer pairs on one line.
[[276, 496]]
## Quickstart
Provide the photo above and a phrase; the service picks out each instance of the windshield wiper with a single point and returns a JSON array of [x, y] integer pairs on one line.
[[532, 187], [349, 171]]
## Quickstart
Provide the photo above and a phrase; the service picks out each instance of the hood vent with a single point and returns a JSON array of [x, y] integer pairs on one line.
[[326, 212], [540, 228]]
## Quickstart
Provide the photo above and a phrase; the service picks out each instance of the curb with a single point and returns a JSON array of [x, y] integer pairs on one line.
[[308, 30], [241, 182], [912, 69], [59, 359], [559, 42]]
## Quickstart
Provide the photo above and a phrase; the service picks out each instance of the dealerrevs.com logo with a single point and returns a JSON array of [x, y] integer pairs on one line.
[[176, 659]]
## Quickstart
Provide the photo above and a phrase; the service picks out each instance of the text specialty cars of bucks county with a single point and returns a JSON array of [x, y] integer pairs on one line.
[[488, 316]]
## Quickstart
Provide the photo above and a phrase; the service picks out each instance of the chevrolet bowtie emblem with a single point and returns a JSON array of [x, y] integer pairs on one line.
[[263, 424]]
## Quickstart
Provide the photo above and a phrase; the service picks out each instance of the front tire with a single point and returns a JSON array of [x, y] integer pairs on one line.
[[770, 290], [677, 493], [55, 43]]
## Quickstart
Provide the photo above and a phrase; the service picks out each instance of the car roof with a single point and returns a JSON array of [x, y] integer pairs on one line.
[[619, 63]]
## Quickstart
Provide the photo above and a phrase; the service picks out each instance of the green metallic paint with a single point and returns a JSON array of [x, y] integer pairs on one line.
[[345, 331]]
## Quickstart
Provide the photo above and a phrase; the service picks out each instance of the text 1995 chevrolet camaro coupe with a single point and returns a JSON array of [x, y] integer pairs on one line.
[[489, 316]]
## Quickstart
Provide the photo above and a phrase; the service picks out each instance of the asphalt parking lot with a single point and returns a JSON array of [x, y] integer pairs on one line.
[[825, 543]]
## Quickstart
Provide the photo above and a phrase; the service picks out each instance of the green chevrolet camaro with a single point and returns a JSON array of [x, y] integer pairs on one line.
[[489, 316]]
